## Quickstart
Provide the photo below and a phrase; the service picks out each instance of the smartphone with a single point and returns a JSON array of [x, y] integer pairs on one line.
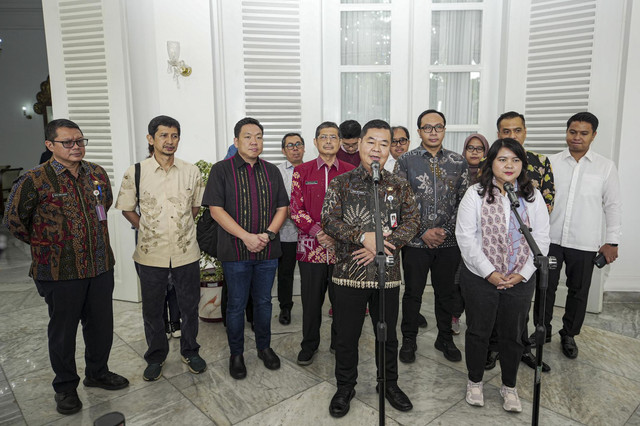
[[599, 260]]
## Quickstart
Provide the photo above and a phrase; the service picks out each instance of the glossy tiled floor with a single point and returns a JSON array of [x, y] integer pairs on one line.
[[602, 386]]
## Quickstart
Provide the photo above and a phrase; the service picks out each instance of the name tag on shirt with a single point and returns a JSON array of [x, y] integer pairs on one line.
[[353, 191], [311, 182], [59, 194]]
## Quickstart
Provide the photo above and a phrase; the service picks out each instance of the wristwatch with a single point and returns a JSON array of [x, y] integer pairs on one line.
[[612, 245], [362, 238], [271, 235]]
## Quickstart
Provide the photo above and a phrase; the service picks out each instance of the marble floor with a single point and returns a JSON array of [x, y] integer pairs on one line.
[[600, 387]]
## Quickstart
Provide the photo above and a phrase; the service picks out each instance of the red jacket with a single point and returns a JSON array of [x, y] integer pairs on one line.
[[308, 188]]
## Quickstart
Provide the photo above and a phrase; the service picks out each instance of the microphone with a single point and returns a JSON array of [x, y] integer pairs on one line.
[[375, 171], [513, 198]]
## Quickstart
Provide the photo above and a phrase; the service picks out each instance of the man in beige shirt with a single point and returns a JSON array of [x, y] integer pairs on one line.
[[169, 195]]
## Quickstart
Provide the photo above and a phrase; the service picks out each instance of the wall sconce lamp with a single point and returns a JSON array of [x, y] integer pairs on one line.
[[24, 112], [177, 66]]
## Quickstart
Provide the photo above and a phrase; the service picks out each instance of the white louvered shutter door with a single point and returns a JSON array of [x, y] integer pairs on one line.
[[272, 79], [559, 69]]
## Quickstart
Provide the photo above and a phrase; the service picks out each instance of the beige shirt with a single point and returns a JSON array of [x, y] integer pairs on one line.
[[167, 233]]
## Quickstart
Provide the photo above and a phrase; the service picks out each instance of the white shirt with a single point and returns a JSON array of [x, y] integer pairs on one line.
[[585, 190], [390, 164], [469, 231], [288, 231]]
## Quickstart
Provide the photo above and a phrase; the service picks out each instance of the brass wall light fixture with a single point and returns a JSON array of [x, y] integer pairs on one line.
[[176, 65]]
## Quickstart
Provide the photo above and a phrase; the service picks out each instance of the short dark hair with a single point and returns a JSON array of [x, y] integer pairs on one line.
[[586, 117], [349, 129], [525, 187], [51, 131], [162, 120], [404, 129], [508, 116], [284, 138], [431, 111], [376, 124], [244, 122], [327, 125]]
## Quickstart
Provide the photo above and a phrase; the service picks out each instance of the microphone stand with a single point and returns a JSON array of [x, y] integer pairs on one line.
[[543, 264], [381, 261]]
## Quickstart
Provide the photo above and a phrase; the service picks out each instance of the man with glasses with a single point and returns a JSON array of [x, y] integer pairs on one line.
[[293, 150], [512, 125], [315, 254], [60, 209], [439, 179], [399, 145], [169, 196], [349, 134]]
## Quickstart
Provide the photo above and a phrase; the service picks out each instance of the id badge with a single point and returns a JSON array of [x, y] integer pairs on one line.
[[393, 220], [102, 215]]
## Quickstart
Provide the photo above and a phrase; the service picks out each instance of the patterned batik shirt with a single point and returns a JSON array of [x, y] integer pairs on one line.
[[57, 215], [541, 175], [348, 212], [439, 183]]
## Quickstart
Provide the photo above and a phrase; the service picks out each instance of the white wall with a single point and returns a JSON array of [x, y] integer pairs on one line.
[[23, 66]]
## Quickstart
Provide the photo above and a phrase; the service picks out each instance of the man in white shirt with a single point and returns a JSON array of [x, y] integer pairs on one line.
[[399, 145], [587, 187], [293, 150]]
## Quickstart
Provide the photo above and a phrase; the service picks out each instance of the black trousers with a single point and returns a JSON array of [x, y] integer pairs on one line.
[[417, 262], [154, 282], [579, 270], [286, 267], [88, 301], [171, 309], [487, 307], [315, 280], [349, 308]]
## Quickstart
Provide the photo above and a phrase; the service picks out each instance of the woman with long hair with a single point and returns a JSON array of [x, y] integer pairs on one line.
[[497, 279]]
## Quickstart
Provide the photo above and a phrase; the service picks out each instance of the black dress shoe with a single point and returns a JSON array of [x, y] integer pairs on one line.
[[68, 402], [237, 368], [449, 349], [532, 338], [492, 357], [408, 350], [569, 347], [531, 360], [422, 321], [341, 401], [398, 399], [108, 381], [285, 316], [269, 358]]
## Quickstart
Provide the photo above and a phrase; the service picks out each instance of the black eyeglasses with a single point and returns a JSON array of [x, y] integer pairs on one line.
[[401, 141], [439, 128], [290, 146], [475, 148], [69, 144]]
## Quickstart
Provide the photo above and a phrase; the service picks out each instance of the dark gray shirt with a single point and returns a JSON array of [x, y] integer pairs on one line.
[[439, 183]]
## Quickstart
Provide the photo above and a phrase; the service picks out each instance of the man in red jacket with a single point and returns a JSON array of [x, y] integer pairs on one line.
[[315, 253]]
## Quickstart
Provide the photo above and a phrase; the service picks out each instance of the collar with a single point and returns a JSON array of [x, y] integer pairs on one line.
[[320, 162], [590, 155], [363, 174], [238, 161], [421, 149], [156, 165], [347, 152], [287, 164], [58, 168]]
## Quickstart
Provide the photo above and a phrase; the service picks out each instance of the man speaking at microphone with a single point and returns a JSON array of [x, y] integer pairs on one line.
[[348, 217]]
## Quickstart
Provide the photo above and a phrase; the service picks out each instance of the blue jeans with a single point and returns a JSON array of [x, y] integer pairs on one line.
[[242, 278]]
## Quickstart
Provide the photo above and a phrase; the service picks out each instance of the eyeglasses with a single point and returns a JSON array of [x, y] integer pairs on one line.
[[290, 146], [427, 128], [69, 144], [328, 137], [401, 141], [477, 149]]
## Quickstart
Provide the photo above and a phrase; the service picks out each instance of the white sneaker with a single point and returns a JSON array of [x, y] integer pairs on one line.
[[511, 399], [475, 395], [455, 325]]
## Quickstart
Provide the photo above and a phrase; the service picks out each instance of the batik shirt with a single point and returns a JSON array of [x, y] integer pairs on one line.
[[541, 175], [439, 183], [55, 213], [348, 212]]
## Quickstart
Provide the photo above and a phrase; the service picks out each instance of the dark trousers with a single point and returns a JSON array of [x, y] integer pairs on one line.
[[171, 309], [315, 279], [579, 269], [154, 282], [486, 307], [417, 262], [71, 301], [286, 266], [349, 308]]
